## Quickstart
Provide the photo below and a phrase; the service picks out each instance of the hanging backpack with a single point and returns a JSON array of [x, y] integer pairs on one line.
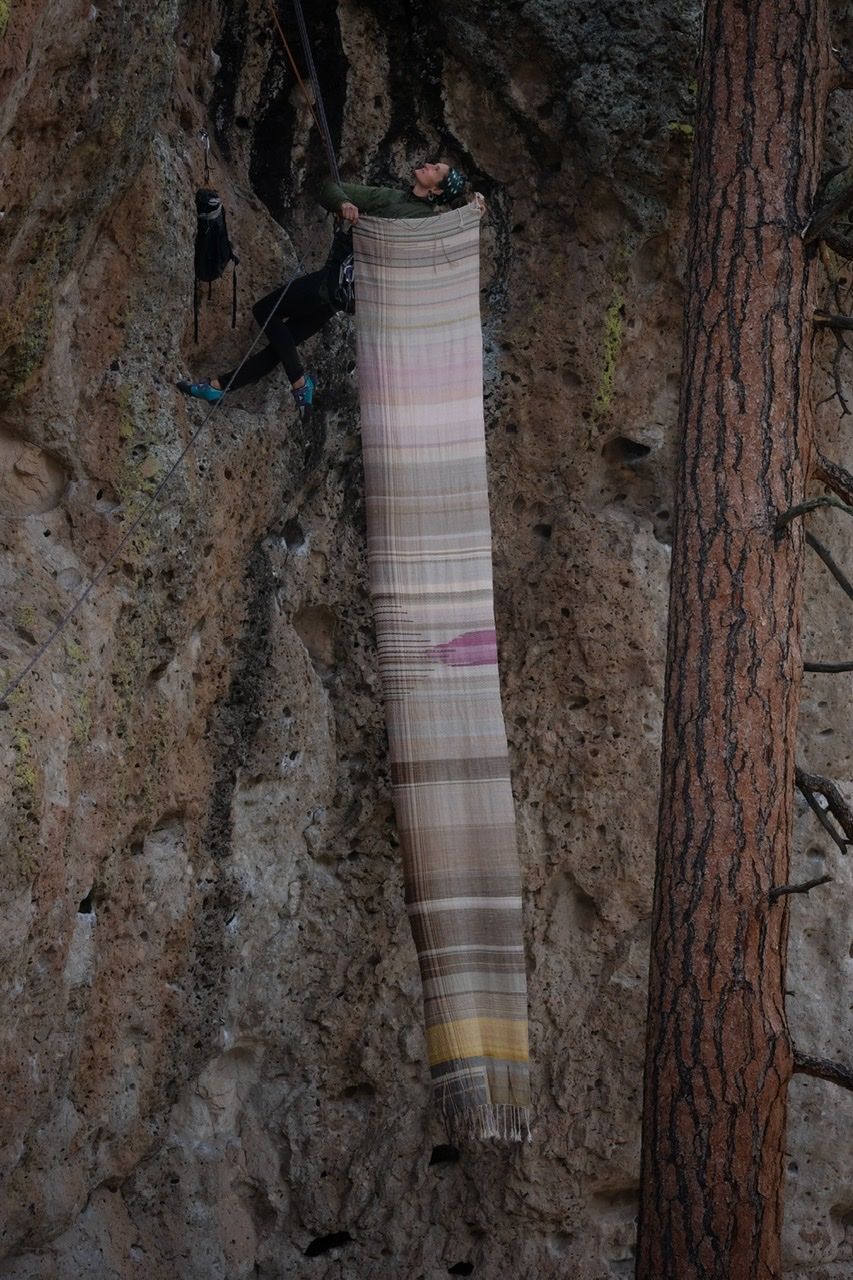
[[213, 250], [339, 282]]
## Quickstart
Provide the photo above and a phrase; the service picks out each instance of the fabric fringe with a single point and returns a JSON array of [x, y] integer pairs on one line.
[[492, 1120]]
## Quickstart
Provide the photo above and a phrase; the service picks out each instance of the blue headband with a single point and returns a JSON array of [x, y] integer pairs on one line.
[[452, 185]]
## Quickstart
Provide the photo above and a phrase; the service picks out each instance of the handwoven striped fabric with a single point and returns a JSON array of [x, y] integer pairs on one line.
[[429, 549]]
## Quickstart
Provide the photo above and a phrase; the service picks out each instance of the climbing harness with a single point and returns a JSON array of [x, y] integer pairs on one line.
[[339, 271], [213, 249]]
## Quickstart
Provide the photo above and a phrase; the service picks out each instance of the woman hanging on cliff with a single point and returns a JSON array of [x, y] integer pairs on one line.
[[304, 306]]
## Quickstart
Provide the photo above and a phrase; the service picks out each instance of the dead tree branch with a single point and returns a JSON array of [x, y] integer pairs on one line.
[[826, 556], [829, 320], [836, 478], [834, 198], [823, 1069], [834, 372], [805, 887], [813, 785], [842, 72], [828, 668], [810, 504]]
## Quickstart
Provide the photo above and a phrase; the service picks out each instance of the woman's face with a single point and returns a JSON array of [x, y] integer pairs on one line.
[[430, 176]]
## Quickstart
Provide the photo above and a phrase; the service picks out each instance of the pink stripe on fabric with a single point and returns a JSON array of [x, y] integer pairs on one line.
[[472, 649]]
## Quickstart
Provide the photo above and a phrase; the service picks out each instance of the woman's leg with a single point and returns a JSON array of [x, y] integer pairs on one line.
[[262, 362], [299, 315], [302, 314]]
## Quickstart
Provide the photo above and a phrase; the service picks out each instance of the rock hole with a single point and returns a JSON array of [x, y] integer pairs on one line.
[[444, 1153], [461, 1269], [364, 1089], [543, 531], [316, 626], [323, 1244], [294, 535], [577, 703], [623, 450], [86, 908]]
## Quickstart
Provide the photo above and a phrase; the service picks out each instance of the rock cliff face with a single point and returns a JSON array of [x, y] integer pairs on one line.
[[212, 1052]]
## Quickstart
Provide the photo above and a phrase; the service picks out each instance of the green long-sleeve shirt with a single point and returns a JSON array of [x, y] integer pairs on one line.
[[379, 202]]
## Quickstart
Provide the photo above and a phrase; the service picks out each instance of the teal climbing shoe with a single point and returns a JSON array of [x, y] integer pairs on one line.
[[304, 395], [201, 390]]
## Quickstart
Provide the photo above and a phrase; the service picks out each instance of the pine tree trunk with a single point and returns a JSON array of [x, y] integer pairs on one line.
[[718, 1055]]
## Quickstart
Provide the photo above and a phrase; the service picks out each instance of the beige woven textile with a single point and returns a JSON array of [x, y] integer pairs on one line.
[[429, 549]]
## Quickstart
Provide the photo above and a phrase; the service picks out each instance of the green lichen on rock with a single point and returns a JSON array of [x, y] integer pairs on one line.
[[26, 329], [26, 347], [81, 695], [25, 804], [612, 334], [26, 777], [4, 17], [612, 345], [139, 472]]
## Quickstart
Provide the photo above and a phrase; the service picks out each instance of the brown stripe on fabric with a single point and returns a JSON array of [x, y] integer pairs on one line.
[[461, 964], [475, 1003], [426, 771], [456, 927]]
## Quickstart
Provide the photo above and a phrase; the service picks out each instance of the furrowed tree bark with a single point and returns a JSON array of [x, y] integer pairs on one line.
[[718, 1055]]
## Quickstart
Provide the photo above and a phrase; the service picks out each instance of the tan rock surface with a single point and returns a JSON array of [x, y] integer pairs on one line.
[[211, 1044]]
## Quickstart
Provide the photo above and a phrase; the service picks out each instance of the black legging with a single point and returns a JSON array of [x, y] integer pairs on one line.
[[302, 314]]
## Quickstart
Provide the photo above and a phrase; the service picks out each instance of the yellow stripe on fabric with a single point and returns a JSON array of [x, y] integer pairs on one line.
[[502, 1038]]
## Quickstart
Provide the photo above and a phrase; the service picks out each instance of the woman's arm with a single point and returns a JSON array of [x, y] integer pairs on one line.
[[350, 199]]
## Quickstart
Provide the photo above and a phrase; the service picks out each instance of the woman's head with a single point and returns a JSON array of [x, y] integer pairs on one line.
[[438, 181]]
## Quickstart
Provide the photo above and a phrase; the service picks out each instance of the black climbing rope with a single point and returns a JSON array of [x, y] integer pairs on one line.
[[318, 95], [315, 104]]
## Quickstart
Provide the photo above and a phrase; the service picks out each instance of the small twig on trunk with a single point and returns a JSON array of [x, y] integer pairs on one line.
[[835, 371], [819, 224], [836, 478], [810, 504], [829, 320], [805, 887], [829, 668], [823, 1069], [841, 75], [840, 241], [814, 784], [826, 556]]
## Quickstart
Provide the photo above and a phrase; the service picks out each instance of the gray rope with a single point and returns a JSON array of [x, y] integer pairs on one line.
[[144, 513]]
